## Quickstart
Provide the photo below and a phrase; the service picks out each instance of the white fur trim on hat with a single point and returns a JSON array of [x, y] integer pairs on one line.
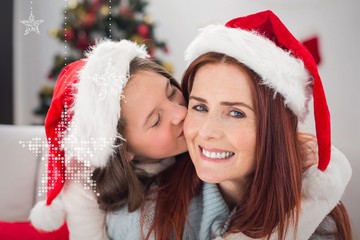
[[84, 218], [278, 69], [322, 191], [96, 109]]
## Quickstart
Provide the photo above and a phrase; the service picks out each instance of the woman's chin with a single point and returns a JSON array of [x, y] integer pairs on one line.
[[209, 176]]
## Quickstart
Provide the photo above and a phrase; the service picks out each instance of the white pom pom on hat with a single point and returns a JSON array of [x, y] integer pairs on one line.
[[48, 218]]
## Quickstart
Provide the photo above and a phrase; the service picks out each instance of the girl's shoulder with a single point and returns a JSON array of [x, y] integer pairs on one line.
[[123, 224]]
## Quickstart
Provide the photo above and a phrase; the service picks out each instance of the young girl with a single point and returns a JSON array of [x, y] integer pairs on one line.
[[247, 85], [120, 114]]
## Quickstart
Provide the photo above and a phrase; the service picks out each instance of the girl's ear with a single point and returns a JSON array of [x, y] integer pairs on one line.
[[130, 156]]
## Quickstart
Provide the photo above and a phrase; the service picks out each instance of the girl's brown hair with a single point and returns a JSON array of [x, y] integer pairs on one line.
[[120, 182], [273, 193]]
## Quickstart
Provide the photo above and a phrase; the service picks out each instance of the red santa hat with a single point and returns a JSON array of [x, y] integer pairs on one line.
[[82, 119], [264, 44]]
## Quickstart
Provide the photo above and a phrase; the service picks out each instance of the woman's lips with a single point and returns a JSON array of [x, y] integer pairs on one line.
[[215, 154]]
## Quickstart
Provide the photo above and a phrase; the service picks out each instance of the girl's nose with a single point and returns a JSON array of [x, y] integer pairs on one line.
[[179, 113]]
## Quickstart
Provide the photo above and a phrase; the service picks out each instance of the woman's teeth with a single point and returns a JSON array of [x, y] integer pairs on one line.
[[217, 155]]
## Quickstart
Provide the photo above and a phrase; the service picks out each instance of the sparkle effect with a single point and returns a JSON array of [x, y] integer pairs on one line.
[[108, 84], [31, 24], [109, 18], [78, 169]]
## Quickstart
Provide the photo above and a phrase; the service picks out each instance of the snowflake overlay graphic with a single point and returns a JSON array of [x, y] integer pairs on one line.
[[78, 170], [110, 83], [31, 24]]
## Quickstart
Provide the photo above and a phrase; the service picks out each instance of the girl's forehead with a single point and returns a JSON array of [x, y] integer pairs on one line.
[[147, 77], [145, 92]]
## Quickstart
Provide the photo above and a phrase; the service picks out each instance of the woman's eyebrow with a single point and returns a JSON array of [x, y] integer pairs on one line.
[[198, 99], [231, 104]]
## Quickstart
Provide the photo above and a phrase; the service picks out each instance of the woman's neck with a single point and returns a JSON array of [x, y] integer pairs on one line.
[[232, 192]]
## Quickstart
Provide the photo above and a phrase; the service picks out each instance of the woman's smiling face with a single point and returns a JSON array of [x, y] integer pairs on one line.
[[220, 127]]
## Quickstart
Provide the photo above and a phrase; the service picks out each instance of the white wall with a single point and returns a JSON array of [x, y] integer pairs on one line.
[[335, 22], [33, 55]]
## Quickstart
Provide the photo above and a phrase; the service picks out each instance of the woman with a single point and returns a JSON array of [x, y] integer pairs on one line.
[[248, 98], [245, 95]]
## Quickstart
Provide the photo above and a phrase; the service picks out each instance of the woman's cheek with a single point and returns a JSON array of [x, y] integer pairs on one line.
[[190, 124]]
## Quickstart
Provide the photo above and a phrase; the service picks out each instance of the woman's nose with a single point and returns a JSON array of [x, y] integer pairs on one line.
[[210, 128]]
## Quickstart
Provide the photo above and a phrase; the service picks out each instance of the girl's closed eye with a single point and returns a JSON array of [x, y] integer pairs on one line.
[[157, 122]]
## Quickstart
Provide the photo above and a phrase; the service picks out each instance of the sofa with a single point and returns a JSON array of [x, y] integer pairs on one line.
[[21, 170]]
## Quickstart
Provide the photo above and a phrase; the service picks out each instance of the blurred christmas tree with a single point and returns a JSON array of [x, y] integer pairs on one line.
[[87, 20]]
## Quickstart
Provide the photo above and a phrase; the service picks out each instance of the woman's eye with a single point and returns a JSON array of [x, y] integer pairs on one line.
[[237, 114], [199, 108]]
